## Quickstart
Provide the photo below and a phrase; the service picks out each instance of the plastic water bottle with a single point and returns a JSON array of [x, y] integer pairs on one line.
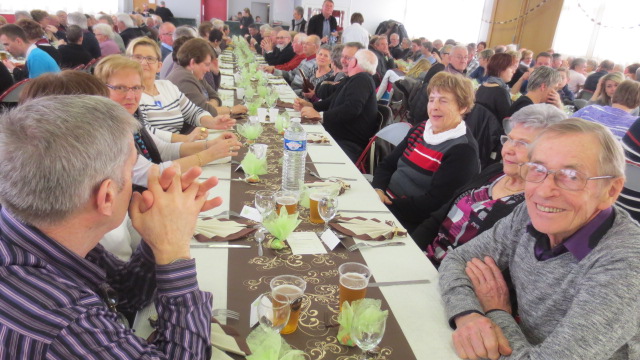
[[295, 154]]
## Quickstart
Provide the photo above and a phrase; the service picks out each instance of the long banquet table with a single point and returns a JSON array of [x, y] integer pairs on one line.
[[417, 326]]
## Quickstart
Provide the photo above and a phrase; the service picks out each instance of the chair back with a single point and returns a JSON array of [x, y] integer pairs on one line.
[[486, 129], [579, 103], [381, 145], [91, 65], [10, 97], [386, 115]]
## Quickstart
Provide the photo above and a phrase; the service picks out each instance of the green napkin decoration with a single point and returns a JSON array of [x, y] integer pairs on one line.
[[266, 344], [282, 122], [262, 91], [367, 311], [249, 130], [252, 166], [280, 226], [249, 92]]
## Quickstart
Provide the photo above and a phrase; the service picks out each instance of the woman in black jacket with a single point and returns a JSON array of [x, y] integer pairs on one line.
[[245, 21], [491, 195]]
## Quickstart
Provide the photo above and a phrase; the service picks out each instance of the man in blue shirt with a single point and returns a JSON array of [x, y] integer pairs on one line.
[[15, 42]]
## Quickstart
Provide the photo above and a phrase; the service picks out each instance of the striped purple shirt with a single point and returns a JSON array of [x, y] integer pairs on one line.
[[50, 305]]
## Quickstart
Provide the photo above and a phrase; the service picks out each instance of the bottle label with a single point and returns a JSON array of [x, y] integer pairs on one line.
[[295, 145]]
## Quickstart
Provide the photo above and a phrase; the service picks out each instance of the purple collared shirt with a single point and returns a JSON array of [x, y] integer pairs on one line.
[[580, 243]]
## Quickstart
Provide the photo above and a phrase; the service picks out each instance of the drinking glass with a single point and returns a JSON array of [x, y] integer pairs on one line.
[[354, 279], [293, 288], [265, 202], [327, 208], [287, 199], [259, 150], [273, 311], [368, 333]]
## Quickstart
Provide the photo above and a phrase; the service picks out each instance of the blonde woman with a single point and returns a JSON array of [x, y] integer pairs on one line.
[[607, 86]]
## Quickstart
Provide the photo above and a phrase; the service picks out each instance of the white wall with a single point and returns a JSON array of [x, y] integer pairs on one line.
[[184, 8], [282, 10], [238, 5]]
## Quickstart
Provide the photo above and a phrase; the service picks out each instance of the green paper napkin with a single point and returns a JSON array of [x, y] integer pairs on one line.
[[253, 166], [366, 311], [266, 344]]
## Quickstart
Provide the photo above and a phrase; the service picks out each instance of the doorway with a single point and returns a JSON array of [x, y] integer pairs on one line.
[[261, 9]]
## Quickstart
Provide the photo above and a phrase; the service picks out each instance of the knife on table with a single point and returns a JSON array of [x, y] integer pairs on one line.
[[402, 282]]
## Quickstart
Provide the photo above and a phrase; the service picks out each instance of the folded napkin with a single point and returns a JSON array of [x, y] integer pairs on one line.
[[359, 314], [267, 344], [337, 187], [368, 229], [318, 139], [283, 104], [213, 229], [310, 120]]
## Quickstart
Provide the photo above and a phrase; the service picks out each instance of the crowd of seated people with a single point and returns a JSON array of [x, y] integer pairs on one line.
[[561, 237]]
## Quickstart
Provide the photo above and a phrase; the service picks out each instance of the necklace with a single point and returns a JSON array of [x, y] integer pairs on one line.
[[153, 91]]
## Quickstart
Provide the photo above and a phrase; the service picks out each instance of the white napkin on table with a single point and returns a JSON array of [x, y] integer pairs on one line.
[[214, 227]]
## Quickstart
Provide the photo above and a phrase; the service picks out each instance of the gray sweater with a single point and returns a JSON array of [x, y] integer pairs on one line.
[[569, 309]]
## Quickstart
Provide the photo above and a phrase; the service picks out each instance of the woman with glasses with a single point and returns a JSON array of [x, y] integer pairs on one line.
[[123, 77], [491, 195], [194, 60], [168, 111]]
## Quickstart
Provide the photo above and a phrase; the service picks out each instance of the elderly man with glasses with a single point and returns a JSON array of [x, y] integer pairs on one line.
[[283, 51], [573, 257]]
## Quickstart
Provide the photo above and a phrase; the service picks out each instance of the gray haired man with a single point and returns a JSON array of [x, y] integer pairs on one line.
[[61, 291], [574, 260]]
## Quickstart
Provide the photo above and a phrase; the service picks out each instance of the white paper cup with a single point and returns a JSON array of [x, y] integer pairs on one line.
[[262, 114], [240, 93], [273, 114]]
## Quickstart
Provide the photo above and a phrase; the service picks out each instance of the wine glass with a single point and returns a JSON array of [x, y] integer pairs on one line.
[[327, 208], [367, 333], [273, 311], [265, 202]]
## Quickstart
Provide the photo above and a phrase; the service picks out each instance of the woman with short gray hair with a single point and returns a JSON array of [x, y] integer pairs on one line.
[[492, 194], [541, 88], [105, 35]]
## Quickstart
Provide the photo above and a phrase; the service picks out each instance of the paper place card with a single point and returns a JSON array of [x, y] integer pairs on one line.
[[330, 239], [305, 243], [251, 213], [253, 316]]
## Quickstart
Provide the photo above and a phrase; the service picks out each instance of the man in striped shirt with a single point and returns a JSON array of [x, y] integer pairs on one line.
[[64, 183]]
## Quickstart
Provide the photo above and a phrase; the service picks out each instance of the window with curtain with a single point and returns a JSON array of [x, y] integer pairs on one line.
[[614, 38], [87, 7]]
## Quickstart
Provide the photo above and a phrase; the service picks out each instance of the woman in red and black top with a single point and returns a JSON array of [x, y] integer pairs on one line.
[[437, 157]]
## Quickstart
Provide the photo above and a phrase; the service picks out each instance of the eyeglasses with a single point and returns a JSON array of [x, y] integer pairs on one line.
[[518, 144], [568, 179], [121, 89], [110, 298], [149, 59]]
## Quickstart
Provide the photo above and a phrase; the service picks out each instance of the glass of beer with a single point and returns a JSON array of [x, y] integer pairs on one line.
[[288, 199], [273, 311], [354, 278], [291, 287], [315, 195]]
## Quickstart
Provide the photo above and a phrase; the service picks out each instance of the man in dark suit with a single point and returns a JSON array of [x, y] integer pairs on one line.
[[280, 53], [298, 24], [73, 54], [164, 12], [324, 25], [350, 113]]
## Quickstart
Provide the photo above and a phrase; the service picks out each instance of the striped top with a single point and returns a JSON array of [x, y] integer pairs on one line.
[[170, 110], [51, 307], [616, 120], [629, 198]]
